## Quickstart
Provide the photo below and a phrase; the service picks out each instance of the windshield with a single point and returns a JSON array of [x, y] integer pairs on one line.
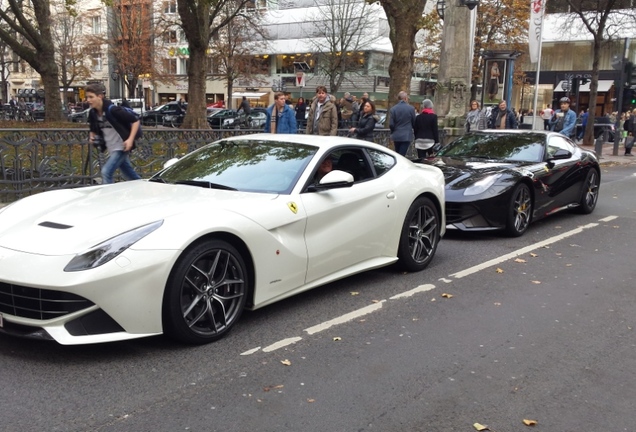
[[497, 146], [247, 165]]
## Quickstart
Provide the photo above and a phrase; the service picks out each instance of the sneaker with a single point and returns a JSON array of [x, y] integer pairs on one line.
[[628, 154]]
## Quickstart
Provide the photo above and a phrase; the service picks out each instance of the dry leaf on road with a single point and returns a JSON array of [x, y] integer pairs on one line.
[[446, 295], [286, 362], [499, 270], [354, 293], [536, 282], [266, 389], [533, 255], [337, 338], [480, 427], [529, 422], [520, 260], [311, 400]]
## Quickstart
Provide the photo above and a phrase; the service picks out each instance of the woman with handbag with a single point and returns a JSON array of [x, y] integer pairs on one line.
[[426, 131]]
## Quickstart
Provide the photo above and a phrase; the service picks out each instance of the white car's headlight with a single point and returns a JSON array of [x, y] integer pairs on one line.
[[106, 251], [481, 186]]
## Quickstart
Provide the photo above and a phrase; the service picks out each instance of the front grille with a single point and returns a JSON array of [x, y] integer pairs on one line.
[[39, 304], [457, 212]]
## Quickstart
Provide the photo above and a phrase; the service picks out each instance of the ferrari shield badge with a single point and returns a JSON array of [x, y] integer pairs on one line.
[[293, 206]]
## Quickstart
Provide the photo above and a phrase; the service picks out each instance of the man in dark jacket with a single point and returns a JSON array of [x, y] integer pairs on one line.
[[115, 129], [502, 117], [401, 122], [426, 130], [245, 107]]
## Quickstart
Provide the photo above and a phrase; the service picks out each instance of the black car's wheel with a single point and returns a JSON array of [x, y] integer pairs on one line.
[[520, 211], [206, 293], [420, 235], [589, 193], [150, 121]]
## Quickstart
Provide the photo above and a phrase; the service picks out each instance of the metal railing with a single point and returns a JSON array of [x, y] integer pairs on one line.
[[36, 160]]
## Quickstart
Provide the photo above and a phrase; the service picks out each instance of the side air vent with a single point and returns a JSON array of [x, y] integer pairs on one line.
[[55, 225]]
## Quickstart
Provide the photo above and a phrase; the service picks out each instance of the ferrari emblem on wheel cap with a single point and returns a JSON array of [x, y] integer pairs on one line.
[[292, 206]]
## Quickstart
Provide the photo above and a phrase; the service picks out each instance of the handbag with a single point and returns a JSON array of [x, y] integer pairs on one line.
[[629, 142]]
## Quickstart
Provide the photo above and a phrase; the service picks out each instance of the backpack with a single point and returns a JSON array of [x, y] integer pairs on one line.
[[131, 111]]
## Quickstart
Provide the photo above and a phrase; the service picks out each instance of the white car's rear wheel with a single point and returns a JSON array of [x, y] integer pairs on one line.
[[206, 293], [420, 235]]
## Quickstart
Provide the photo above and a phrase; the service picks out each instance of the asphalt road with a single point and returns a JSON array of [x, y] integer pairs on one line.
[[495, 331]]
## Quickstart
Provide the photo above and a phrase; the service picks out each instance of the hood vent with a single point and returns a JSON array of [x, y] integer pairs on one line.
[[55, 225]]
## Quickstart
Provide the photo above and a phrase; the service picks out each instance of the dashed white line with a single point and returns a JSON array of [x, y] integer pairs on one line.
[[608, 219], [282, 343], [344, 318], [252, 351], [419, 289]]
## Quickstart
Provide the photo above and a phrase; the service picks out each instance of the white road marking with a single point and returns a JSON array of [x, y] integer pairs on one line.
[[344, 318], [419, 289], [282, 343], [445, 280], [521, 251], [608, 219], [252, 351]]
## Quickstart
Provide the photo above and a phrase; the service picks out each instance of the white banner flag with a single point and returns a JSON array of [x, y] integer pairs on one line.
[[537, 8]]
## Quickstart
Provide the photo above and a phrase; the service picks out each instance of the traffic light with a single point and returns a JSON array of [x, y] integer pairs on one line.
[[630, 74]]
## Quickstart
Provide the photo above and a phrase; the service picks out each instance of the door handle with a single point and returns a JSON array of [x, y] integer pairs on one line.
[[390, 195]]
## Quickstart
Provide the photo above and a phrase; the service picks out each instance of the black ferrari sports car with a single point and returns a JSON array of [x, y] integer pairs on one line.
[[506, 179]]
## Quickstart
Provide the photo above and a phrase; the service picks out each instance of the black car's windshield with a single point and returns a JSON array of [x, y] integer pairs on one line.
[[246, 165], [528, 147]]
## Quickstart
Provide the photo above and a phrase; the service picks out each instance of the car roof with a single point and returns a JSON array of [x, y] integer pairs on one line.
[[323, 142]]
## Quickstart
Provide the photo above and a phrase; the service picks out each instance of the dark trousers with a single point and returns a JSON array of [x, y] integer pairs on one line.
[[402, 147], [546, 124]]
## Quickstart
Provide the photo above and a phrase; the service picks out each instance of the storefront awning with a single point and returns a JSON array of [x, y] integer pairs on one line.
[[603, 86], [247, 95]]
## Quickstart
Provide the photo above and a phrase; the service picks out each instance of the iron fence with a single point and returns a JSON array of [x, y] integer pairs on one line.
[[36, 160]]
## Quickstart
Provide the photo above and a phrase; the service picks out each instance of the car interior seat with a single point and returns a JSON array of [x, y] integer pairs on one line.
[[349, 162]]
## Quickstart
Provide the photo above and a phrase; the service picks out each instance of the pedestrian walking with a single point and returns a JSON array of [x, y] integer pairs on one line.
[[401, 122], [301, 112], [426, 130], [245, 107], [564, 120], [546, 115], [631, 134], [114, 129], [280, 117], [323, 115]]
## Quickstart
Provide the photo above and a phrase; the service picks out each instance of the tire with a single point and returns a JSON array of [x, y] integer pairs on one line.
[[205, 293], [589, 192], [420, 235], [519, 211], [151, 121]]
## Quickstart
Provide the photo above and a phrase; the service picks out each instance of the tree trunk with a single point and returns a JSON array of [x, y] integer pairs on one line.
[[230, 90], [404, 21], [50, 79]]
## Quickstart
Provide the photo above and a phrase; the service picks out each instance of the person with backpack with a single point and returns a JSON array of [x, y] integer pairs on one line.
[[564, 120], [113, 128]]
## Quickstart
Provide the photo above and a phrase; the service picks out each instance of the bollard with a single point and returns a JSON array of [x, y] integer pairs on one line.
[[598, 146], [617, 142]]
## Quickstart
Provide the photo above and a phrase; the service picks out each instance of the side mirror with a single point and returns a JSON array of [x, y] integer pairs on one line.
[[335, 179], [560, 154]]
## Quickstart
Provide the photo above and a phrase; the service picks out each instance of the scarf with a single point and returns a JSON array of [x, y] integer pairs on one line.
[[428, 111]]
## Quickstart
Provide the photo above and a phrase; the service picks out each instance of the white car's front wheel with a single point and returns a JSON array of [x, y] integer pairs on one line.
[[420, 235], [206, 292]]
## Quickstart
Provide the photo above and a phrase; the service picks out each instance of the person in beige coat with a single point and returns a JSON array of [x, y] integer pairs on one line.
[[323, 115]]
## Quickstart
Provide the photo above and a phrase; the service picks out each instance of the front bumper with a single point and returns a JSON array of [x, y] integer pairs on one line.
[[119, 300]]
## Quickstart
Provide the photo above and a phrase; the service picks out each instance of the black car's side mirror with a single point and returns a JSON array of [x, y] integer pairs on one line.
[[560, 154]]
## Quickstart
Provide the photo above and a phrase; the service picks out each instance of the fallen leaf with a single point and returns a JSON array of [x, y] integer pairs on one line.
[[615, 226], [416, 319], [558, 253], [480, 427], [354, 293], [433, 299], [286, 362], [337, 338], [499, 270], [568, 265], [311, 400], [533, 255], [375, 301], [446, 295], [520, 260], [536, 282], [529, 422], [497, 304], [558, 226]]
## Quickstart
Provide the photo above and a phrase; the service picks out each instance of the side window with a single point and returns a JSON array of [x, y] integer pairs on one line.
[[382, 162], [555, 143], [353, 161]]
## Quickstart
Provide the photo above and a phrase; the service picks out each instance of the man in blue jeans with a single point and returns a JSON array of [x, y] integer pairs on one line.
[[401, 122], [116, 128]]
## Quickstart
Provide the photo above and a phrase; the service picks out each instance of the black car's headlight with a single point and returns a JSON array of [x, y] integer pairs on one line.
[[106, 251], [482, 185]]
